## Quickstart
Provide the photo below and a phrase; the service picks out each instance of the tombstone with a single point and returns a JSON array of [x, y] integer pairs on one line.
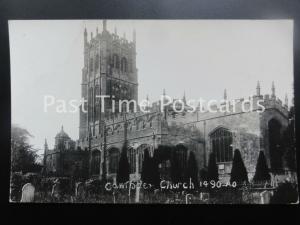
[[55, 193], [204, 196], [79, 190], [28, 193], [188, 198], [265, 197]]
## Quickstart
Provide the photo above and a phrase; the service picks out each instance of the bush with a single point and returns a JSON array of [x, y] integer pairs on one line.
[[238, 172], [123, 169], [285, 193], [192, 170], [262, 170], [212, 173]]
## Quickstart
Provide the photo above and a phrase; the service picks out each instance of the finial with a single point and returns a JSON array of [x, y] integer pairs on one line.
[[116, 30], [46, 144], [258, 89], [184, 98], [147, 98], [286, 101], [164, 91], [62, 127], [225, 94], [134, 36], [96, 30], [104, 25], [91, 35], [85, 36], [273, 89]]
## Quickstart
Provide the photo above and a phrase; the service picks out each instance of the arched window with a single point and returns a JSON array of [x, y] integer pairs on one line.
[[91, 64], [97, 102], [95, 164], [275, 147], [221, 142], [124, 64], [116, 61], [114, 157], [97, 62], [132, 159], [90, 104]]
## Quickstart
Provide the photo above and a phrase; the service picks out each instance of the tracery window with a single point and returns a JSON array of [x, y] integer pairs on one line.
[[124, 64], [221, 142]]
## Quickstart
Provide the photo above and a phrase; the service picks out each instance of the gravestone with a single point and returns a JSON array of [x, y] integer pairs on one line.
[[265, 197], [28, 193], [79, 190], [204, 196], [55, 193]]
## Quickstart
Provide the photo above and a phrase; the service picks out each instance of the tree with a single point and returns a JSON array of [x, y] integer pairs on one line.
[[192, 170], [288, 142], [123, 169], [212, 173], [154, 173], [146, 173], [238, 172], [175, 168], [23, 156], [262, 170]]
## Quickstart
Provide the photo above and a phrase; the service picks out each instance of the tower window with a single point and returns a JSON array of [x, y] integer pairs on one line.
[[116, 61], [91, 64], [124, 64], [97, 62]]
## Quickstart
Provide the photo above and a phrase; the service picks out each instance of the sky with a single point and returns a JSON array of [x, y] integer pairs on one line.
[[198, 57]]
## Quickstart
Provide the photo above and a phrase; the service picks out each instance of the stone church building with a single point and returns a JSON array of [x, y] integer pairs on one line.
[[110, 69]]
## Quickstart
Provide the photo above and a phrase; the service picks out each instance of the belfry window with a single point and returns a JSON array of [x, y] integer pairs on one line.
[[116, 61], [221, 142], [91, 64], [124, 64], [97, 62]]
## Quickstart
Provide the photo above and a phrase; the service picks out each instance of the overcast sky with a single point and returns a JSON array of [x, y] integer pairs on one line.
[[200, 57]]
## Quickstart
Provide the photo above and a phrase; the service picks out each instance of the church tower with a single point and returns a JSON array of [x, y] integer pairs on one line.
[[110, 70]]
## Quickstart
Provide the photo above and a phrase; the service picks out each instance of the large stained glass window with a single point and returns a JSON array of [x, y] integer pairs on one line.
[[221, 142]]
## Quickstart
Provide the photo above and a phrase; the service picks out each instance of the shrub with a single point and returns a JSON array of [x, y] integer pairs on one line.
[[123, 169], [262, 170], [238, 172], [212, 173]]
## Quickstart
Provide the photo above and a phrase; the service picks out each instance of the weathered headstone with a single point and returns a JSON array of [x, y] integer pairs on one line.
[[79, 190], [28, 193], [55, 193], [265, 197], [204, 196]]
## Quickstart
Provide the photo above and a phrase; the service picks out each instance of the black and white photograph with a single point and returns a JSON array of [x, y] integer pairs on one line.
[[157, 111]]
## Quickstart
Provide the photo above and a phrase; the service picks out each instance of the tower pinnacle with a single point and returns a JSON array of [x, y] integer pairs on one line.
[[286, 101], [46, 144], [184, 98], [225, 94], [273, 90], [104, 25], [258, 89], [134, 36]]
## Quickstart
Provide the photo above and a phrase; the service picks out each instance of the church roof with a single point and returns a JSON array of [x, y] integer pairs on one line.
[[62, 134]]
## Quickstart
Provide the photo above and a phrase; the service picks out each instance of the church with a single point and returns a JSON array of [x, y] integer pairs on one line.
[[110, 69]]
